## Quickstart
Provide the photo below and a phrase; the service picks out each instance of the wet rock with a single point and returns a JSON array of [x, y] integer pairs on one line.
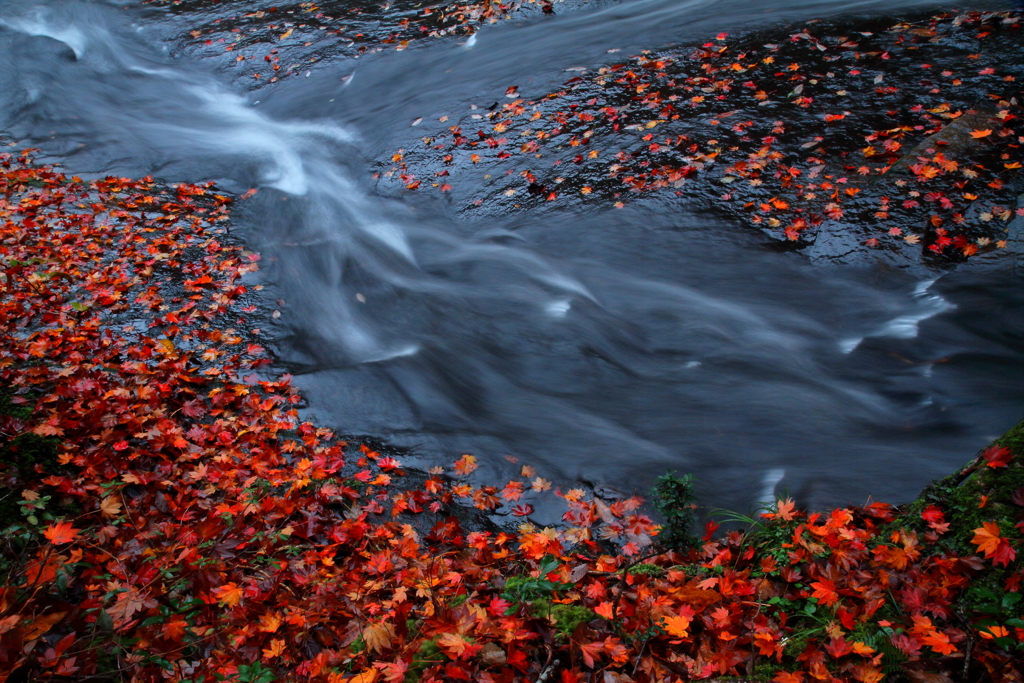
[[893, 139], [264, 42]]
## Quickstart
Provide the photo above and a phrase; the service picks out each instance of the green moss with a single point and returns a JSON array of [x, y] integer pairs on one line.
[[569, 617], [24, 459], [565, 617], [646, 570]]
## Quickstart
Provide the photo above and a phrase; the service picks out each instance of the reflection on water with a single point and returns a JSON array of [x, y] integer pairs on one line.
[[603, 348]]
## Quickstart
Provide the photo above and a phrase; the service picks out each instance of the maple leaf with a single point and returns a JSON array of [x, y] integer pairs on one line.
[[677, 626], [987, 538], [110, 507], [379, 636], [604, 610], [938, 641], [175, 629], [465, 465], [275, 650], [992, 632], [269, 623], [997, 456], [825, 592], [394, 672], [128, 603], [789, 677], [498, 606], [981, 133], [229, 595], [591, 652], [368, 675], [456, 646], [47, 429], [60, 532], [990, 542]]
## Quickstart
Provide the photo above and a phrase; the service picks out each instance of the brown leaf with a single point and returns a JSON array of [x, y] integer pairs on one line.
[[492, 655], [42, 625], [928, 677], [379, 636], [690, 594], [1018, 496]]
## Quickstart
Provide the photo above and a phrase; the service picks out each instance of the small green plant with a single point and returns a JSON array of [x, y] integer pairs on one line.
[[255, 673], [1002, 613], [674, 499], [520, 590]]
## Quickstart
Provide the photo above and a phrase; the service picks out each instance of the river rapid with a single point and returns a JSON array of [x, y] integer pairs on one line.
[[601, 347]]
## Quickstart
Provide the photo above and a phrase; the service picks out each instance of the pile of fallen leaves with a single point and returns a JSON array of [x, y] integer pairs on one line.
[[167, 517], [905, 137]]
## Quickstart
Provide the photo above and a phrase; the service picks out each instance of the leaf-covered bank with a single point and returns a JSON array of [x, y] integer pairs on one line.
[[182, 523]]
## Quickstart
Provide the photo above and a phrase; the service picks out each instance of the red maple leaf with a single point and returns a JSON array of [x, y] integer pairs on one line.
[[60, 532], [997, 456]]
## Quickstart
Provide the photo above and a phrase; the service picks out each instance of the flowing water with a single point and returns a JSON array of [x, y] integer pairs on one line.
[[602, 347]]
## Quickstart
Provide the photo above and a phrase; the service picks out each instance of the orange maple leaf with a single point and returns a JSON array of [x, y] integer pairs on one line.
[[465, 465], [995, 547], [987, 538], [230, 594], [456, 646], [981, 133], [604, 610], [994, 632], [275, 650], [938, 641], [787, 509], [677, 626], [60, 532], [269, 623]]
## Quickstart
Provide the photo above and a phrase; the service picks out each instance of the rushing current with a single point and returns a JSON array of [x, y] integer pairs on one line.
[[601, 348]]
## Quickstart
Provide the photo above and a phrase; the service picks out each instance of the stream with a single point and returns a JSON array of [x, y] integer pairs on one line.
[[601, 347]]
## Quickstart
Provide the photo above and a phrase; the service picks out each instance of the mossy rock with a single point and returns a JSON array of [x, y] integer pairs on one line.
[[976, 494]]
